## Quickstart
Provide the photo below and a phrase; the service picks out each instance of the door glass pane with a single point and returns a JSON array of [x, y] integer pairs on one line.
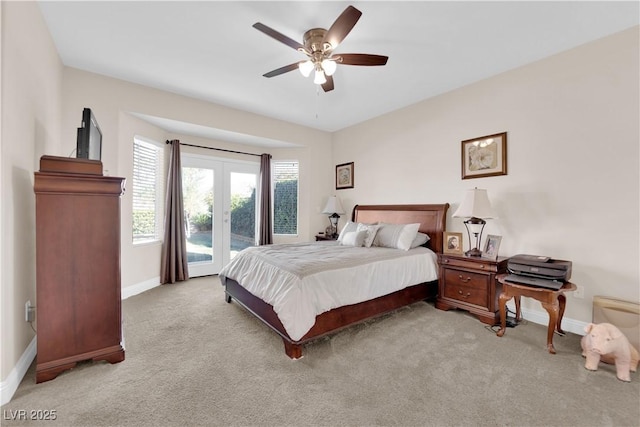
[[243, 211], [197, 193]]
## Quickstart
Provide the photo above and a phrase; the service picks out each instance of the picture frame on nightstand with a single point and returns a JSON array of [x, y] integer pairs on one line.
[[452, 243], [491, 247]]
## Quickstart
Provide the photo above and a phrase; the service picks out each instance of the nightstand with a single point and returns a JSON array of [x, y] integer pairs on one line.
[[320, 237], [469, 283]]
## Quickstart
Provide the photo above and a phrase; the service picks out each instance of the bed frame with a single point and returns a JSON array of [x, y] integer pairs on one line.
[[432, 219]]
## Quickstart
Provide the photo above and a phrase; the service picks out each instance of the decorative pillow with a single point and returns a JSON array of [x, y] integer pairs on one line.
[[420, 240], [371, 230], [348, 227], [399, 236], [354, 238]]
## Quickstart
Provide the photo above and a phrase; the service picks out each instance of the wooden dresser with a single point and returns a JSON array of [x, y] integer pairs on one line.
[[470, 283], [77, 265]]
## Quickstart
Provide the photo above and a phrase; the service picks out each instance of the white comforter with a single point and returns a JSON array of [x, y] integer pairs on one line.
[[303, 280]]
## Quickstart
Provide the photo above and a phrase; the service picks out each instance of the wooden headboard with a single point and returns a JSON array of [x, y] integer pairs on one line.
[[432, 218]]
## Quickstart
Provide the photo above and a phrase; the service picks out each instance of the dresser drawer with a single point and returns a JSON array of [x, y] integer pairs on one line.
[[464, 286]]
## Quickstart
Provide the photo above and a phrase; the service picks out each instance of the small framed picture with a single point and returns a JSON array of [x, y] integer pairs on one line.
[[491, 247], [452, 243], [484, 156], [344, 176]]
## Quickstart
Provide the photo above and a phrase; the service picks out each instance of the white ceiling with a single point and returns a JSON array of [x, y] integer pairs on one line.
[[209, 50]]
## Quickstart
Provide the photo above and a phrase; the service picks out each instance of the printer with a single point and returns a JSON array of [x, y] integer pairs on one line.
[[536, 270]]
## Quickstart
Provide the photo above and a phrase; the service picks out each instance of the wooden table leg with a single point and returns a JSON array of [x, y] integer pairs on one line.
[[518, 311], [502, 302], [553, 309], [563, 302]]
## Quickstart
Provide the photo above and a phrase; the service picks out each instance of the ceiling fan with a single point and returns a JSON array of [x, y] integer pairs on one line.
[[319, 45]]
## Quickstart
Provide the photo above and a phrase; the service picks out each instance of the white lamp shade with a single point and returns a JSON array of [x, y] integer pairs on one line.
[[333, 206], [319, 78], [329, 66], [306, 67], [475, 204]]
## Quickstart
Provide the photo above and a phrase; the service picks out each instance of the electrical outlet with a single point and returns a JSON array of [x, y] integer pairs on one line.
[[29, 312], [579, 292]]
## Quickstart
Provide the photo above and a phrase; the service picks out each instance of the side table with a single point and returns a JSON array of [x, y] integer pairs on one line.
[[554, 301]]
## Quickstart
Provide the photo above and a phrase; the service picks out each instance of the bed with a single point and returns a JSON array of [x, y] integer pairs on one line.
[[432, 221]]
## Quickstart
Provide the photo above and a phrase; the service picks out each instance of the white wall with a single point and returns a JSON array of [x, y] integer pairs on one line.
[[31, 94], [572, 189], [113, 100]]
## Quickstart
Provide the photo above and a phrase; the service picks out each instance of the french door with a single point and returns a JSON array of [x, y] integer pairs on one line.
[[220, 210]]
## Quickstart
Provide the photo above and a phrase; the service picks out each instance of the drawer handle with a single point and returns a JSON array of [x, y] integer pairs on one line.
[[462, 279], [463, 295]]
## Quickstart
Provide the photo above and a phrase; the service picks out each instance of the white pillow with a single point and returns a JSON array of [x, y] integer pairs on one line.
[[399, 236], [420, 240], [348, 227], [354, 238], [371, 230]]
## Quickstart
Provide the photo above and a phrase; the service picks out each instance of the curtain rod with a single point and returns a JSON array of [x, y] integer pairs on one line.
[[213, 148]]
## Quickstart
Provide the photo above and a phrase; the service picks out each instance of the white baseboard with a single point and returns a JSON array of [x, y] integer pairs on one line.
[[542, 318], [139, 288], [9, 386]]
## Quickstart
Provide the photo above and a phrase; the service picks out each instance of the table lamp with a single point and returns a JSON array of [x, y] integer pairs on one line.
[[475, 206], [333, 207]]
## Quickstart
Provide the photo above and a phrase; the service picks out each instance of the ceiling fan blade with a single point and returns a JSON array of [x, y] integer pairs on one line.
[[282, 70], [342, 26], [361, 59], [328, 85], [278, 36]]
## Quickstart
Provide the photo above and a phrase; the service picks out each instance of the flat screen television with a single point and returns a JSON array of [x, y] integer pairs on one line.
[[89, 143]]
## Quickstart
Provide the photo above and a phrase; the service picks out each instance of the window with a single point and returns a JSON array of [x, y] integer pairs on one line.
[[285, 198], [148, 190]]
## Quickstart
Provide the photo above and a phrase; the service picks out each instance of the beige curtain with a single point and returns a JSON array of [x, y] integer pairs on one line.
[[174, 264], [265, 233]]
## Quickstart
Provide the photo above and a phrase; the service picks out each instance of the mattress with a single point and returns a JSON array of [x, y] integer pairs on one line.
[[303, 280]]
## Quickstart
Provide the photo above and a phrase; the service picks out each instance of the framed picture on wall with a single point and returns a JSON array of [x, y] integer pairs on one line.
[[491, 247], [344, 176], [484, 156], [452, 243]]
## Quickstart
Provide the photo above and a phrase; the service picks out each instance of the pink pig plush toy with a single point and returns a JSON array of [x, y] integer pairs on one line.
[[605, 342]]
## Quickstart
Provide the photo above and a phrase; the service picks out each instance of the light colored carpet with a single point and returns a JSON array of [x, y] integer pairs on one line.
[[193, 359]]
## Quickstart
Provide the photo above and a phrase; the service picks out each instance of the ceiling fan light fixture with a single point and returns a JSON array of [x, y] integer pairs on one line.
[[306, 67], [319, 78], [318, 45], [329, 66]]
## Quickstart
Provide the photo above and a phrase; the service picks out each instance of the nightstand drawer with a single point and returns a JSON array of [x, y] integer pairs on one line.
[[471, 288], [475, 265]]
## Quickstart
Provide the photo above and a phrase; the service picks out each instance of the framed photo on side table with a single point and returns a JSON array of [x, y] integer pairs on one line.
[[344, 176], [452, 243], [491, 247]]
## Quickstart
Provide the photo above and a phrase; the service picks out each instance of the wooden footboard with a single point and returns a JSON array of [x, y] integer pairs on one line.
[[331, 321]]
